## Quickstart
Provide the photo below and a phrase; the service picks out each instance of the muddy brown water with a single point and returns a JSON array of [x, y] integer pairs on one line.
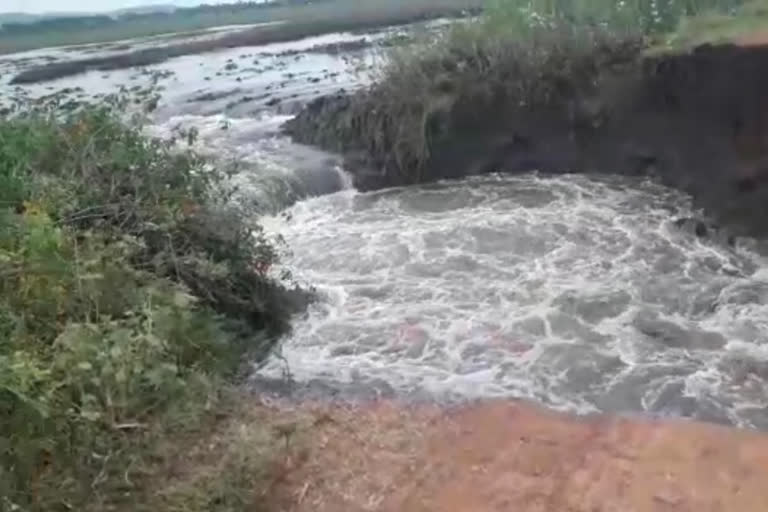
[[577, 292]]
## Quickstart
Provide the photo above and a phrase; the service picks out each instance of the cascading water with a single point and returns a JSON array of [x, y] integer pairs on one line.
[[272, 172]]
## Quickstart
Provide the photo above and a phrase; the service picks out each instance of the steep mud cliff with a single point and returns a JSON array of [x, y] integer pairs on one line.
[[696, 121]]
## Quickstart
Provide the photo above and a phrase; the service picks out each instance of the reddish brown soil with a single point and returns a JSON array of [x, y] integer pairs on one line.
[[755, 38], [506, 456]]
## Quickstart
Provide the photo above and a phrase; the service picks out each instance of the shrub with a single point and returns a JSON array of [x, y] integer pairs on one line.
[[130, 284], [644, 16]]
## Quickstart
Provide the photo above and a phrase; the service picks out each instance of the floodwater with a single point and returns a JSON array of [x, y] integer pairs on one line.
[[578, 292]]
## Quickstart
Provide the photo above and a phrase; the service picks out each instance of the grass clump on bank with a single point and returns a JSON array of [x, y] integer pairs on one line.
[[130, 289], [519, 56], [743, 23]]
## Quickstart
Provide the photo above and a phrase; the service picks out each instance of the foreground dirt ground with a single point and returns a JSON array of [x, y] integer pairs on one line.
[[508, 456]]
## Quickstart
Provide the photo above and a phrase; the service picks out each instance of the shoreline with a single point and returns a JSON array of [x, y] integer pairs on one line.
[[693, 121]]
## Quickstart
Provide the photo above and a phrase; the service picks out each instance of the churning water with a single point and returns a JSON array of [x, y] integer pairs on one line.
[[578, 292]]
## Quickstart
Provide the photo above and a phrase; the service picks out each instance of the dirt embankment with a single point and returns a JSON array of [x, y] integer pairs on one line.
[[510, 456], [696, 121]]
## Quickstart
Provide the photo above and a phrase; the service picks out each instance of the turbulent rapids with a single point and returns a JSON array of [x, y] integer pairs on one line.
[[578, 292]]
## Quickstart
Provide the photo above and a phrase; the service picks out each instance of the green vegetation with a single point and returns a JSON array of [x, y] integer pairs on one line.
[[646, 16], [547, 54], [747, 23], [131, 287], [332, 14]]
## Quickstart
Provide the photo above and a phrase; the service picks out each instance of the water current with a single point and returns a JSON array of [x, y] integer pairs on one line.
[[578, 291]]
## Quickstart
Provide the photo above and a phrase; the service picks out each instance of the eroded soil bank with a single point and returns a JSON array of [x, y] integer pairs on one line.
[[511, 456], [696, 121]]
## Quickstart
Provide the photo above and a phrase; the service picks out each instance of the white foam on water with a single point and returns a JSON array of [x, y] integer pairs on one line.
[[575, 291], [273, 172]]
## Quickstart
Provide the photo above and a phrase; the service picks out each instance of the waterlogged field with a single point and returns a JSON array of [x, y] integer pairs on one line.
[[315, 17]]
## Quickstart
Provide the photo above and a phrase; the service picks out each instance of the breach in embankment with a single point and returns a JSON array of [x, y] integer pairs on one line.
[[568, 92]]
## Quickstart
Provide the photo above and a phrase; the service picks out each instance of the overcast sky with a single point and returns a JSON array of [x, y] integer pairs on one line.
[[38, 6]]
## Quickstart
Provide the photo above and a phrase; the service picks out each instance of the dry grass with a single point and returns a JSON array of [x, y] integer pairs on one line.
[[224, 469], [231, 460], [252, 457]]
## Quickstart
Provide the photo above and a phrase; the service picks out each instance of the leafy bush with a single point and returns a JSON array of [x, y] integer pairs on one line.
[[645, 16], [129, 284]]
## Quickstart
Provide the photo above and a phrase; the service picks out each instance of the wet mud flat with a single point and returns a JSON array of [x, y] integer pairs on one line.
[[239, 82], [235, 83], [355, 20]]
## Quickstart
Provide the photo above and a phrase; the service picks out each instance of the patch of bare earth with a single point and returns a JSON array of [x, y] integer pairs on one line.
[[510, 456], [754, 38]]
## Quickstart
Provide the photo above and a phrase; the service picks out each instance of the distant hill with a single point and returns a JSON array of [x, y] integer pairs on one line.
[[18, 17], [145, 9]]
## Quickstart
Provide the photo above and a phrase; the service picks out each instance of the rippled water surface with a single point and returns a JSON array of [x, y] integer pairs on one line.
[[578, 292]]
